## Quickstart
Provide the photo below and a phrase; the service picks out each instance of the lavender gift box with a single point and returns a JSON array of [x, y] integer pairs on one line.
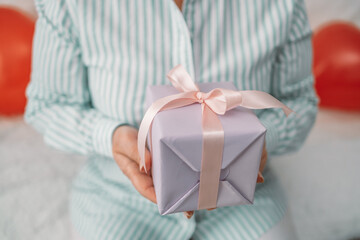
[[176, 150]]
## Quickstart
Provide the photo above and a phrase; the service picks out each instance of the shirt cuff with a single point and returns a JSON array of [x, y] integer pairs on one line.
[[102, 136], [272, 136]]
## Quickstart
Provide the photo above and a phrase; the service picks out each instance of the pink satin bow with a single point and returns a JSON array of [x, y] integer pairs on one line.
[[217, 101]]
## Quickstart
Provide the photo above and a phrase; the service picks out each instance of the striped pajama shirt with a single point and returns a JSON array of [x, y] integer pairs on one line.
[[92, 61]]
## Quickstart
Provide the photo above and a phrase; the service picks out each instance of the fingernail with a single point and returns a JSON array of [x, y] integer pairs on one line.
[[260, 178], [141, 168], [188, 215]]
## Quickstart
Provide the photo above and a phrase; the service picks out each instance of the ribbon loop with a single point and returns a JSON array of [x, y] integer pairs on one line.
[[181, 79]]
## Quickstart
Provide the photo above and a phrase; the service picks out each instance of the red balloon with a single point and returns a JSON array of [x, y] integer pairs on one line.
[[336, 66], [16, 33]]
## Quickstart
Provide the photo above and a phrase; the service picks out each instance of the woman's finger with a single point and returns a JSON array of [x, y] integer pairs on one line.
[[189, 214], [128, 146], [142, 182], [264, 157], [260, 178]]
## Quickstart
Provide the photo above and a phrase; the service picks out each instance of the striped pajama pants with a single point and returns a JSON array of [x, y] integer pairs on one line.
[[105, 205]]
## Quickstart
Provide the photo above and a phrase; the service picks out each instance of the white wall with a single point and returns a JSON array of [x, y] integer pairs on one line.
[[320, 11], [25, 5]]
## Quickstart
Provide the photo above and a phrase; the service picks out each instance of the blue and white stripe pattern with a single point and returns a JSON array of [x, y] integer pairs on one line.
[[92, 62]]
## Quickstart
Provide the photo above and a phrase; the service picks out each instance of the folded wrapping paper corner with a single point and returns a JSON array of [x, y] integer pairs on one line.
[[213, 103]]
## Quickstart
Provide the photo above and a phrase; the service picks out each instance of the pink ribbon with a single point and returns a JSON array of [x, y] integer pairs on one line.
[[217, 101]]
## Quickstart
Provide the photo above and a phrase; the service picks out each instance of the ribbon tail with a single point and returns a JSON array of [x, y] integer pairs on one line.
[[165, 103], [261, 100], [212, 155]]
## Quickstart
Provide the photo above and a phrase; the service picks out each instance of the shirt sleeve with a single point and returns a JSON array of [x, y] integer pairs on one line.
[[292, 83], [59, 103]]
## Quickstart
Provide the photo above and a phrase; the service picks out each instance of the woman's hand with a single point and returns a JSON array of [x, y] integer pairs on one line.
[[126, 155]]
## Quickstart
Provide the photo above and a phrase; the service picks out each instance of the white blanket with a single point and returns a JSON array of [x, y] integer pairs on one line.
[[321, 182]]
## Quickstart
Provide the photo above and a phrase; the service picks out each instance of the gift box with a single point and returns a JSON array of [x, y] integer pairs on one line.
[[176, 148], [205, 142]]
